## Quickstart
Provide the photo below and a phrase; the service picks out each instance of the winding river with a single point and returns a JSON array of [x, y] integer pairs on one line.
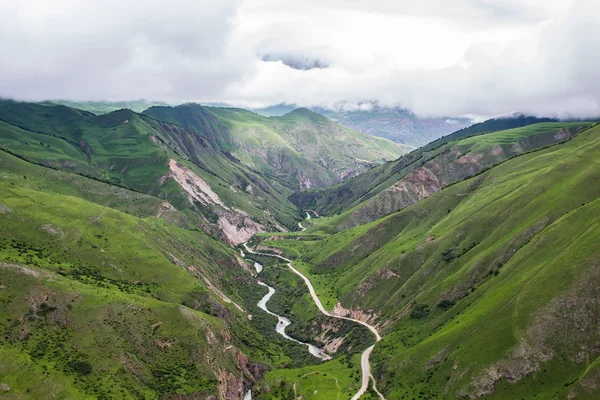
[[281, 324]]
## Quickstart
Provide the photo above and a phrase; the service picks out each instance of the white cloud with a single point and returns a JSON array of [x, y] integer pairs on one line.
[[530, 56], [114, 49], [435, 57]]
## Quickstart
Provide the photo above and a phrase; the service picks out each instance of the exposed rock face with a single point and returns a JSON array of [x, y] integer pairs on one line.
[[523, 360], [230, 387], [237, 228], [52, 230], [4, 209], [196, 188], [421, 183], [354, 313], [371, 282], [165, 209], [234, 226]]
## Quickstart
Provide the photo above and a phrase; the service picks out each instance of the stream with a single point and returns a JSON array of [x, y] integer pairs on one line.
[[283, 322], [367, 377]]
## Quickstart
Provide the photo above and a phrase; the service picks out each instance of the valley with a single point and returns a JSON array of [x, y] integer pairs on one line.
[[316, 200], [181, 252], [463, 281], [367, 377]]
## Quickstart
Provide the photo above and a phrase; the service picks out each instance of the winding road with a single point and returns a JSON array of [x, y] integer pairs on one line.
[[302, 228], [364, 360]]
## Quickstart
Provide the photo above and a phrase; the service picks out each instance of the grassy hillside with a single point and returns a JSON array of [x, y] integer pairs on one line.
[[396, 124], [300, 150], [109, 302], [336, 198], [223, 197], [106, 293], [115, 278], [487, 288], [401, 183]]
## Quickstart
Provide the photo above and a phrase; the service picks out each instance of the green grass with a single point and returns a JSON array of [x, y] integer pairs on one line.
[[364, 198], [111, 332], [107, 270], [333, 380], [506, 250], [133, 150]]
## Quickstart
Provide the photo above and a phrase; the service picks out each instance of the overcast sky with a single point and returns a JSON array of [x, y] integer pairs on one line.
[[435, 57]]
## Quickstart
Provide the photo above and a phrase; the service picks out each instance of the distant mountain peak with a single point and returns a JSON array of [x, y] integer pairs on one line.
[[304, 112]]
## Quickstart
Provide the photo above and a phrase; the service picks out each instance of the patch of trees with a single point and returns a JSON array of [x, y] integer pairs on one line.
[[419, 311], [446, 304]]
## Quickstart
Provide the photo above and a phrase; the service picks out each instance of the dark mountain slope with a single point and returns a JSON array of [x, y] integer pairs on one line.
[[193, 117], [517, 120]]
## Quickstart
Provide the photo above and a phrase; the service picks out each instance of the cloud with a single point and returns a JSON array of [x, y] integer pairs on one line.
[[434, 68], [435, 57], [114, 49], [296, 61]]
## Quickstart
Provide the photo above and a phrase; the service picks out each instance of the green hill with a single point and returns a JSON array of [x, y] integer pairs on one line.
[[300, 150], [486, 288], [109, 292], [104, 295], [393, 123], [403, 182], [185, 169]]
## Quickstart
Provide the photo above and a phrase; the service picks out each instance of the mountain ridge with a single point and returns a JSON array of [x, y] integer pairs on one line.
[[300, 149], [473, 286], [424, 169]]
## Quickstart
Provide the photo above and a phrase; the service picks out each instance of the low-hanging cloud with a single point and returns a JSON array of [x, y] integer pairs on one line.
[[295, 61], [435, 58]]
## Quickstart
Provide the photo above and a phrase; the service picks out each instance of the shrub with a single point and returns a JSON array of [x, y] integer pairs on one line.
[[419, 311], [81, 367], [448, 255], [445, 304]]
